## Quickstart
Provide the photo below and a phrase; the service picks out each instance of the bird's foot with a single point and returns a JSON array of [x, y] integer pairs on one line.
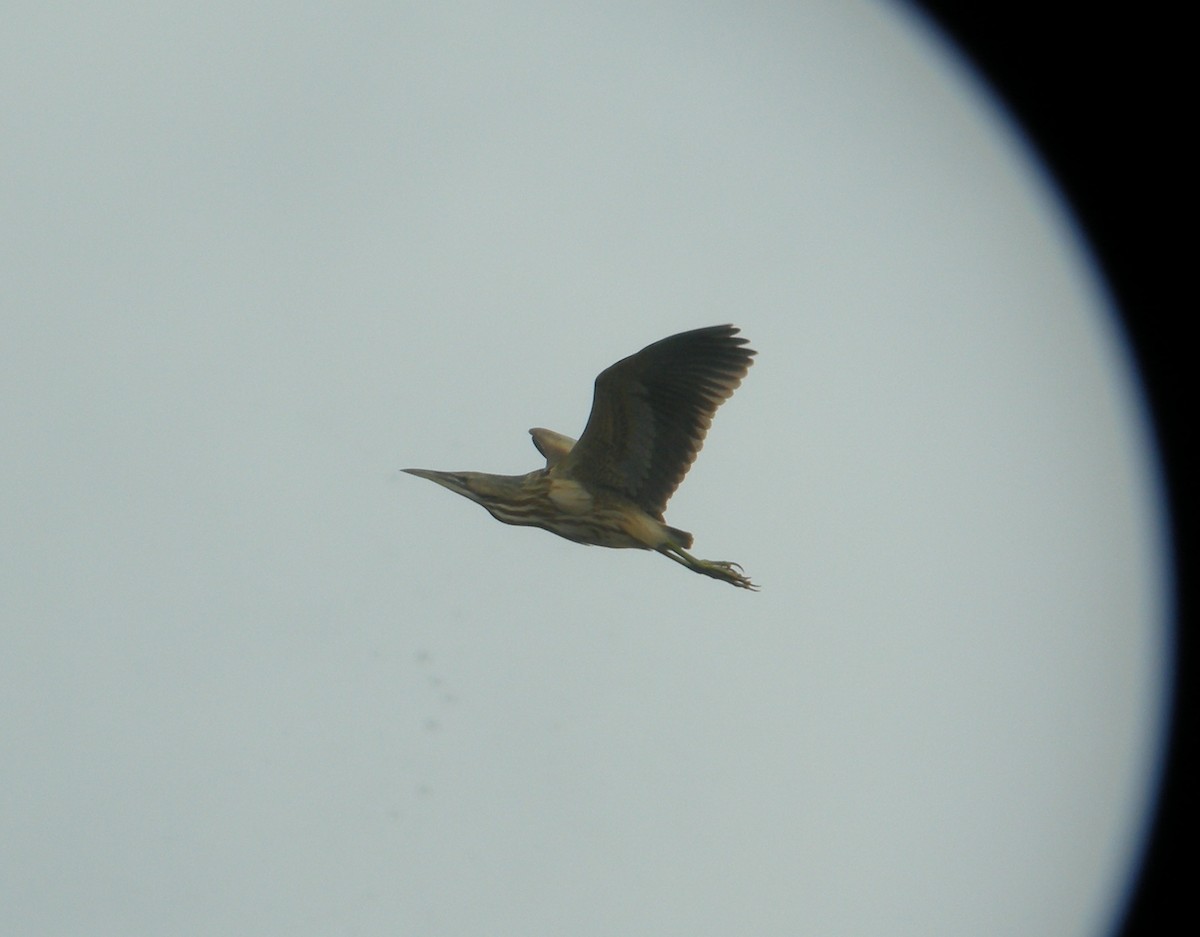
[[731, 573], [726, 572]]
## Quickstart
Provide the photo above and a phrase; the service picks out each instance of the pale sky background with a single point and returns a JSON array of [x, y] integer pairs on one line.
[[254, 681]]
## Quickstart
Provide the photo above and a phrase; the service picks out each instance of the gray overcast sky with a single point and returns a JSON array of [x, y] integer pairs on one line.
[[254, 681]]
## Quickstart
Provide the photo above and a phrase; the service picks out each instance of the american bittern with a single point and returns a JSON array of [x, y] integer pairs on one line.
[[649, 416]]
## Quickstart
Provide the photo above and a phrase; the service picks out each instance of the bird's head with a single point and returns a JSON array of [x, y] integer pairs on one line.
[[480, 487]]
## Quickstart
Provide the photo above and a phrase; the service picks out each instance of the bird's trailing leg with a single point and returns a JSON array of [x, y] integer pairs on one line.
[[718, 569]]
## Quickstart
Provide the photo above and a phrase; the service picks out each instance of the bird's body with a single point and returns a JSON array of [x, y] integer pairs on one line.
[[601, 518], [650, 414]]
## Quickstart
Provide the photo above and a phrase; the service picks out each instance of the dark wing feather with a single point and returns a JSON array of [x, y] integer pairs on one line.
[[651, 411]]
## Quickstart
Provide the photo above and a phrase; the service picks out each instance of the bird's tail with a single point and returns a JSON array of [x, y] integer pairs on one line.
[[680, 538]]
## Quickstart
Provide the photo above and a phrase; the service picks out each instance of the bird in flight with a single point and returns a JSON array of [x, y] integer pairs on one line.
[[650, 414]]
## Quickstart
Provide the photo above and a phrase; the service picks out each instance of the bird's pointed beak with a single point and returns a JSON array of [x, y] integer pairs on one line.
[[442, 478], [452, 480]]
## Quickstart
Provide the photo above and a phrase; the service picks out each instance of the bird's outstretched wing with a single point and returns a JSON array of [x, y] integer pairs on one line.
[[651, 411]]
